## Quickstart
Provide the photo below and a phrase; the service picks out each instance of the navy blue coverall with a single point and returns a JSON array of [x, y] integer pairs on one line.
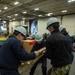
[[11, 55]]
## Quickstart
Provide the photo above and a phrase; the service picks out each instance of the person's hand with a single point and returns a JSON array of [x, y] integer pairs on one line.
[[28, 63], [36, 53], [39, 52], [22, 64], [42, 51]]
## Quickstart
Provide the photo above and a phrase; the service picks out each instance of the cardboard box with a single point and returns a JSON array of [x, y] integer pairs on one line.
[[28, 44]]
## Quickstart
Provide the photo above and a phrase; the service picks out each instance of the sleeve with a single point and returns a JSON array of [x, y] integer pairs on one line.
[[21, 53], [70, 43], [49, 52], [70, 46]]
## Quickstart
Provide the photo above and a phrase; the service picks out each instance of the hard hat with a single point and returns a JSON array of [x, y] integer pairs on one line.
[[22, 30], [38, 37], [61, 27], [51, 21]]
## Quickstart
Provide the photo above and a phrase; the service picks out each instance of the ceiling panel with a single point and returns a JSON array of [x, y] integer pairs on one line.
[[45, 6]]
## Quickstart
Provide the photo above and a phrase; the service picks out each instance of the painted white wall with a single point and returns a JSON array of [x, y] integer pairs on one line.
[[12, 25], [42, 23], [69, 23]]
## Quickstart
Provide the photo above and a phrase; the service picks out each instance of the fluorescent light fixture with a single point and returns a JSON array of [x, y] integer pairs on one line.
[[4, 21], [16, 14], [14, 19], [0, 10], [9, 16], [15, 3], [64, 11], [24, 12], [36, 9], [71, 1], [49, 14], [5, 8], [23, 18], [39, 15]]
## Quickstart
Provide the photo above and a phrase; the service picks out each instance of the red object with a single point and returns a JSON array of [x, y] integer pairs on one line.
[[32, 43]]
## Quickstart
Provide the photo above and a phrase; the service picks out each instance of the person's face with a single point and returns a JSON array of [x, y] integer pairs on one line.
[[39, 42], [21, 37], [50, 29]]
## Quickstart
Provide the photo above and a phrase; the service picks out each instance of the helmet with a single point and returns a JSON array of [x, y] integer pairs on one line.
[[51, 21], [21, 29], [61, 27], [38, 37]]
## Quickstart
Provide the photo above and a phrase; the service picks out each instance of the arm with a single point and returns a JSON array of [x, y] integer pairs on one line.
[[49, 52], [20, 52], [70, 42]]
